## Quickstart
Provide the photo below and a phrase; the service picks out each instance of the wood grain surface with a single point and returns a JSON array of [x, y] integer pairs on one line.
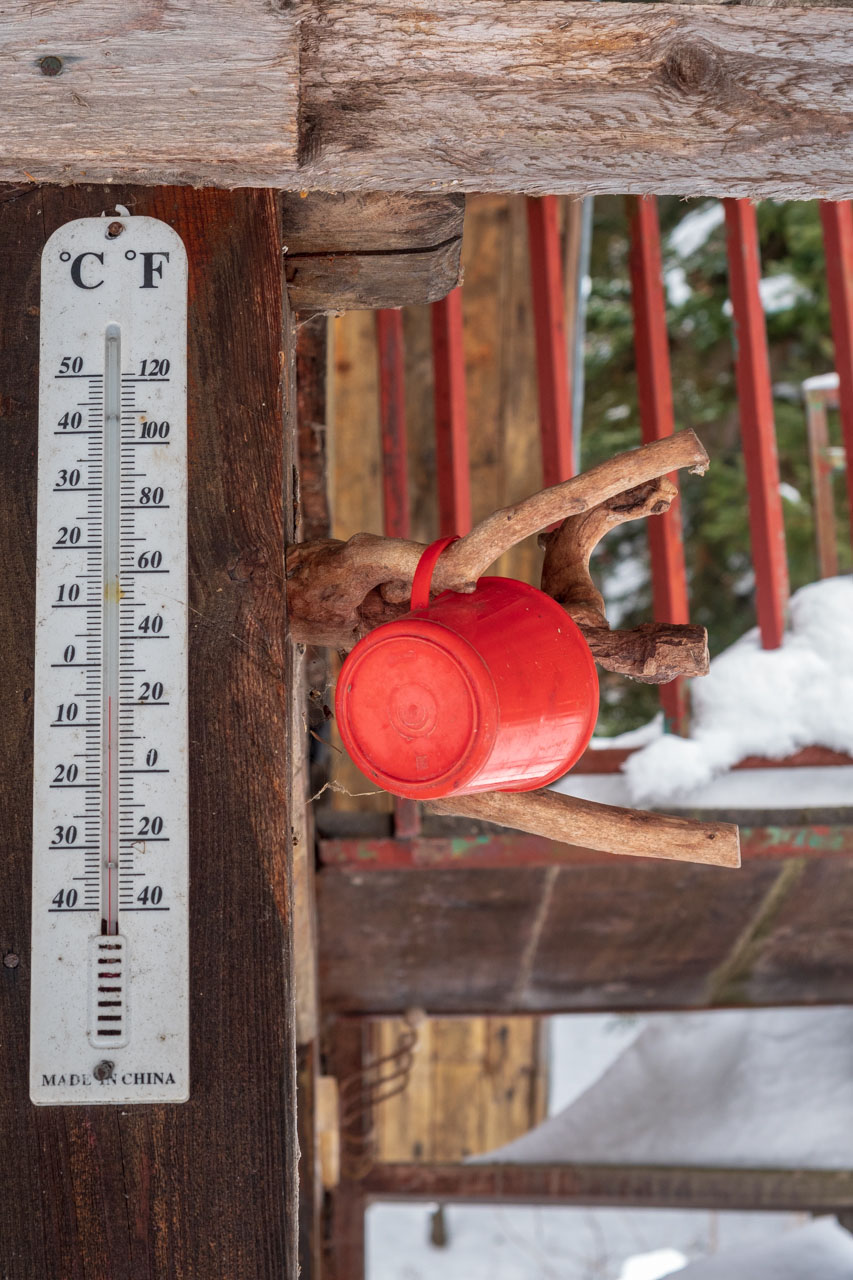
[[366, 251], [541, 96], [207, 1188], [634, 935], [549, 96], [148, 92]]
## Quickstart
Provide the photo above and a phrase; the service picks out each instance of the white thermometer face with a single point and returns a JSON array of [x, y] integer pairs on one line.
[[110, 830]]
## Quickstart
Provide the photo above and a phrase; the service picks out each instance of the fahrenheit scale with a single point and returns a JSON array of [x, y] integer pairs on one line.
[[110, 834]]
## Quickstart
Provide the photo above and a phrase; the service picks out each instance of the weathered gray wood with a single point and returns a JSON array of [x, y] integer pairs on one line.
[[360, 251], [369, 222], [369, 281], [436, 95], [203, 94], [558, 96]]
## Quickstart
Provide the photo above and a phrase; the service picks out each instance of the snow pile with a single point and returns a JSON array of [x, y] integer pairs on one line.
[[821, 1251], [762, 702], [694, 229], [777, 293], [760, 1088]]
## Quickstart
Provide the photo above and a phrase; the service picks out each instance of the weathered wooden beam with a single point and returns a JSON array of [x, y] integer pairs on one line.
[[145, 1191], [624, 1186], [351, 252], [105, 91], [632, 935], [542, 96]]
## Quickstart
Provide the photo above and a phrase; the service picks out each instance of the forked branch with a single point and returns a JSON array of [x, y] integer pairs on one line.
[[338, 591]]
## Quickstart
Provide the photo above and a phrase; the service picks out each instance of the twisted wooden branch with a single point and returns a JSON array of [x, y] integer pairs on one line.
[[338, 591]]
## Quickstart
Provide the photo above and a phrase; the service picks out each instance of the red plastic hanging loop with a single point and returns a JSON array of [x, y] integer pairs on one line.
[[422, 580]]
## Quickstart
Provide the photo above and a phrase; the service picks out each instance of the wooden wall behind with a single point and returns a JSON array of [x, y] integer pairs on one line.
[[476, 1084]]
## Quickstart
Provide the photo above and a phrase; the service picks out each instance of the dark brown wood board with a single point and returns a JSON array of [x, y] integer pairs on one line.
[[208, 1188], [632, 935]]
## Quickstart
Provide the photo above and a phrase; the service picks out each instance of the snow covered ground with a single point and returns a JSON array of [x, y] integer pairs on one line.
[[587, 1051]]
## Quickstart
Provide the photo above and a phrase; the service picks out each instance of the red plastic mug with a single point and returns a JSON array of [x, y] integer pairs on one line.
[[494, 690]]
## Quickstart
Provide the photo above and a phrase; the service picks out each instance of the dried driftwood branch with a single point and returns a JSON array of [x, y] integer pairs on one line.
[[600, 826], [565, 571], [338, 591]]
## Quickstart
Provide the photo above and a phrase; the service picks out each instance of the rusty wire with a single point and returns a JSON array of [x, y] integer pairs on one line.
[[361, 1093]]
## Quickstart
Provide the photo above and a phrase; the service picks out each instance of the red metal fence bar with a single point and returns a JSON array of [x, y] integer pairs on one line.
[[654, 390], [451, 416], [395, 478], [758, 431], [552, 357], [837, 219]]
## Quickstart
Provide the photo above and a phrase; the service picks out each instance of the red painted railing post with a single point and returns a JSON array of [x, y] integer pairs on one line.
[[654, 392], [451, 416], [395, 478], [758, 431], [837, 219], [552, 357]]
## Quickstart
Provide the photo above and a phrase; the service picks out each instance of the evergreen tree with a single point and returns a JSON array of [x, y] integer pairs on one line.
[[717, 542]]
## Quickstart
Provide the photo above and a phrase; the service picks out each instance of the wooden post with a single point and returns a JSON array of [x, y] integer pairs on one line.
[[654, 390], [758, 429], [208, 1187]]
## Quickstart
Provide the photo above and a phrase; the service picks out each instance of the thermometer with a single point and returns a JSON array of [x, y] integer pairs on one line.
[[110, 972]]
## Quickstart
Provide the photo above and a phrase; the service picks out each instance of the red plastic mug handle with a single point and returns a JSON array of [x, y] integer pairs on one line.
[[426, 567]]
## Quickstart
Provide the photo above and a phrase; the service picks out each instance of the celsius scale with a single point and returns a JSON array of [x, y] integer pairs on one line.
[[110, 973]]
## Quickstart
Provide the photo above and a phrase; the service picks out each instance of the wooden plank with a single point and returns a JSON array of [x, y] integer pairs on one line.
[[493, 97], [154, 1191], [355, 488], [378, 222], [149, 93], [333, 282], [814, 1191], [348, 252], [434, 96], [475, 1084], [654, 395], [638, 935], [757, 425]]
